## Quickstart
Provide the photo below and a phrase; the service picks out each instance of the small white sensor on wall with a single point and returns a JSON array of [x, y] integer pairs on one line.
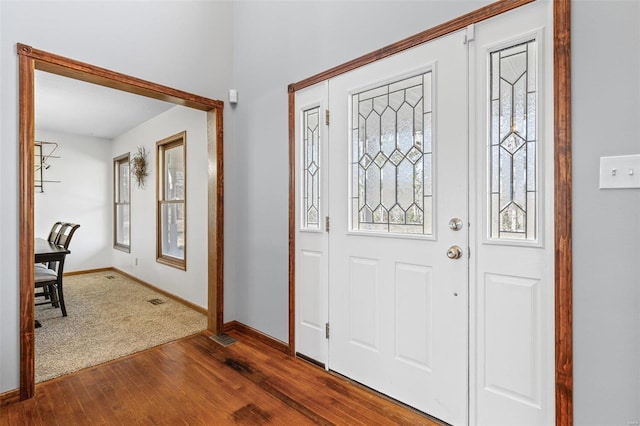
[[233, 96]]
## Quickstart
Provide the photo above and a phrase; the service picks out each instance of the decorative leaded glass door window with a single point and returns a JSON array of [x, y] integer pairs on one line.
[[391, 189], [311, 168], [513, 197]]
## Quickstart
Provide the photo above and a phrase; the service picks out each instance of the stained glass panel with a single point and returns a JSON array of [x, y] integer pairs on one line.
[[311, 169], [391, 158], [512, 151]]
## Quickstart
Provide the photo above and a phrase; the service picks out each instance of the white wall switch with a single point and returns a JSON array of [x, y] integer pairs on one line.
[[620, 172], [233, 96]]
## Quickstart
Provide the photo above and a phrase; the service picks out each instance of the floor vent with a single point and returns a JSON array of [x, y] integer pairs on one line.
[[223, 339], [156, 301]]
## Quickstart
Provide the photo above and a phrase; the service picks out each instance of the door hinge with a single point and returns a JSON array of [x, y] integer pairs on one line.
[[326, 224], [326, 117], [326, 330]]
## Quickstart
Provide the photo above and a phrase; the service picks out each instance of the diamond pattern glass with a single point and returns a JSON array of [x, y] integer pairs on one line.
[[512, 151], [391, 158], [311, 169]]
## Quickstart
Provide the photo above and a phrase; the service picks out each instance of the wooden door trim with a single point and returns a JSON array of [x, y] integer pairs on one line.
[[563, 211], [448, 27], [562, 173], [31, 59]]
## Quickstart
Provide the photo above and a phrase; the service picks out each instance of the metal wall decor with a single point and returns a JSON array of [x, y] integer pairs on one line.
[[391, 158], [43, 152], [513, 144]]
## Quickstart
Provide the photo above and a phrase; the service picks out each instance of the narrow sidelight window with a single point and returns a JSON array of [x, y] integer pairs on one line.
[[121, 206], [171, 184], [512, 158], [312, 169]]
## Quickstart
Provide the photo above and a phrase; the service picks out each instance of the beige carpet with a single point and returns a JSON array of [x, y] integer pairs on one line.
[[108, 316]]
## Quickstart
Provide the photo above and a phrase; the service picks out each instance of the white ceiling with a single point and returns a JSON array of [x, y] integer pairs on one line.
[[72, 106]]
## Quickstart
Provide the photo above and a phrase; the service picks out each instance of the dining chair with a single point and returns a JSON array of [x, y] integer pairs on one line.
[[55, 232], [50, 279], [52, 238], [66, 232]]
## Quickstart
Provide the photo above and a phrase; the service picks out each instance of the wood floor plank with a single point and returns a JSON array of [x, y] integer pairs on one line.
[[195, 381]]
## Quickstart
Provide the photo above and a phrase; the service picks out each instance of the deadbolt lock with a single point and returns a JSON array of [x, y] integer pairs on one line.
[[455, 224], [454, 252]]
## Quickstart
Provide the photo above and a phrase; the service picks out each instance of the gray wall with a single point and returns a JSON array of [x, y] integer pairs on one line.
[[606, 223]]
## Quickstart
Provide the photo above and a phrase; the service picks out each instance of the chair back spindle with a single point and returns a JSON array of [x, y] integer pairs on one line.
[[66, 232], [55, 232]]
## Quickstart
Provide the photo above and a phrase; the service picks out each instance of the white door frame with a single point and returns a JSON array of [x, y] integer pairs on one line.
[[562, 174]]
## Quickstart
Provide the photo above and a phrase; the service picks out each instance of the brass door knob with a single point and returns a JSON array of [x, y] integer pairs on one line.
[[454, 252]]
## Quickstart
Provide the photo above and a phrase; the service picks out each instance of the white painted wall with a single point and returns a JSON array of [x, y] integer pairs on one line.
[[186, 45], [83, 196], [191, 284]]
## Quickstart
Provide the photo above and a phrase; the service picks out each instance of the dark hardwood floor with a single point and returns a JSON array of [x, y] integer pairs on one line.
[[195, 381]]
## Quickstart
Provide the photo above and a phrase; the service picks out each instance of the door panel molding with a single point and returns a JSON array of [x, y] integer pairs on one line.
[[562, 176]]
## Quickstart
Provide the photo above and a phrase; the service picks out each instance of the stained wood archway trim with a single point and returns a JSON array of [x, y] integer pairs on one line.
[[562, 175], [29, 60]]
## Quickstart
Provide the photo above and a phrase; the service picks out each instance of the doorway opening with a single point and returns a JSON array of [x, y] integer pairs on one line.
[[31, 59]]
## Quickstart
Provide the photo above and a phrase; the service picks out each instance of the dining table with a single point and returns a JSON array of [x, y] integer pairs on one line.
[[46, 251]]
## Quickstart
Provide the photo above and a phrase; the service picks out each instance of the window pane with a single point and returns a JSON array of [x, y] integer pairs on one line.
[[391, 160], [172, 232], [311, 172], [171, 196], [512, 100], [123, 182], [174, 173], [122, 224], [121, 197]]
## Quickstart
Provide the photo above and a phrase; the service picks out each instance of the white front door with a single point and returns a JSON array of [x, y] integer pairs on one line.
[[398, 159], [447, 145], [512, 273]]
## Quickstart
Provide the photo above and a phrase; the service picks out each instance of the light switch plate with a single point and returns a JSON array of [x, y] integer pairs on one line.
[[233, 96], [620, 172]]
